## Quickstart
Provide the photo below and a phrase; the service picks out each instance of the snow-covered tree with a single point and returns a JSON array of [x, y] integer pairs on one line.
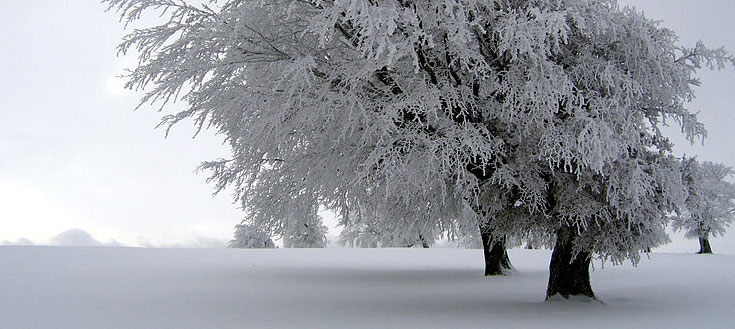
[[371, 225], [554, 107], [307, 234], [374, 221], [362, 235], [470, 241], [710, 204], [249, 236], [304, 226], [359, 235]]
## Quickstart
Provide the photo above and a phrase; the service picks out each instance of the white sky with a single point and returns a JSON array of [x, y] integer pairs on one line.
[[73, 154]]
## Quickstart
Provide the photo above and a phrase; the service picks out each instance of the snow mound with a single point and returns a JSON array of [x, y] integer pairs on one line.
[[74, 237]]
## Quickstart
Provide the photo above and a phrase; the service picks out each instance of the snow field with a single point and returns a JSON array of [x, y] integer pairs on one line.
[[74, 287]]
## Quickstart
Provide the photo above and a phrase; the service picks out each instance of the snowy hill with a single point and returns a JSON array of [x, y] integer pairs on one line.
[[71, 287]]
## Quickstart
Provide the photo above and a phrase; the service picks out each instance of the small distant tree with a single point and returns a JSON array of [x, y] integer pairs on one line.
[[359, 235], [375, 223], [469, 239], [306, 232], [288, 209], [710, 206], [365, 235], [249, 236]]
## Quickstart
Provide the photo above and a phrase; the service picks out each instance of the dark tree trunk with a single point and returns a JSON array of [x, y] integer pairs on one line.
[[423, 241], [496, 257], [704, 247], [569, 275]]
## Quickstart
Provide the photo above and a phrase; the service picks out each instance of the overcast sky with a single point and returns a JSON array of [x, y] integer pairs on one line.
[[74, 154]]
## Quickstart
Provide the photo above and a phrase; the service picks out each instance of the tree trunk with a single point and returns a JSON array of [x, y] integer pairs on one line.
[[569, 275], [424, 244], [496, 257], [704, 247]]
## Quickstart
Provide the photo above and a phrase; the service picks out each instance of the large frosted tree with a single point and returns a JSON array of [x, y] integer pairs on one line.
[[710, 204], [551, 108]]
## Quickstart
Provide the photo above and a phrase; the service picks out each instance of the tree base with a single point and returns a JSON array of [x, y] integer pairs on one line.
[[569, 274], [496, 257], [573, 299]]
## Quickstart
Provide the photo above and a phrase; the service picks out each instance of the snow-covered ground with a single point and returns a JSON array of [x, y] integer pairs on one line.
[[107, 287]]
